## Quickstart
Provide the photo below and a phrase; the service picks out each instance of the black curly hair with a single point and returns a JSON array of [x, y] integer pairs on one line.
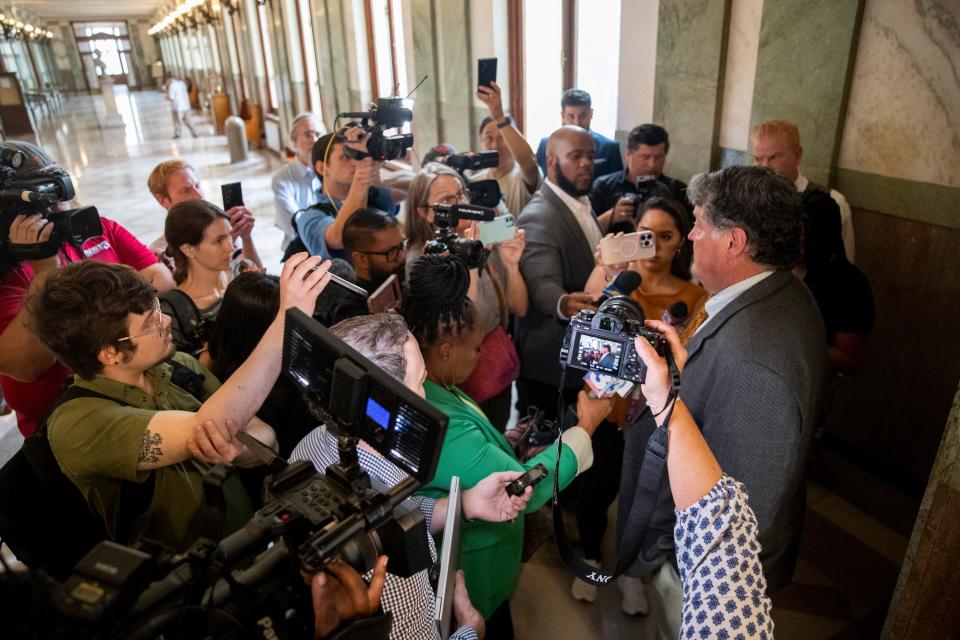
[[436, 305], [765, 205]]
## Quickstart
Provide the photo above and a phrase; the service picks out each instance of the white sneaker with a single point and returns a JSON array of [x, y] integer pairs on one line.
[[634, 592], [585, 591]]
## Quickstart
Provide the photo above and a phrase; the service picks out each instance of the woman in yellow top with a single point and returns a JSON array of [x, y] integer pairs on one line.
[[665, 280]]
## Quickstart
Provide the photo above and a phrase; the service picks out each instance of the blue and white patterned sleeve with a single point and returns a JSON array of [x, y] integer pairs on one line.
[[718, 556]]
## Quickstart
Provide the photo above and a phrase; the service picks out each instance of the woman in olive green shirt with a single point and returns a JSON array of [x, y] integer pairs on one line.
[[442, 319]]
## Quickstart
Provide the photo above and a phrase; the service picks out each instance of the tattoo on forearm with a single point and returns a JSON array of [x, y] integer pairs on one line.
[[150, 448]]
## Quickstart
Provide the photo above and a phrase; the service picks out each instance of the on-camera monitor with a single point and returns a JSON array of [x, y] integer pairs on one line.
[[598, 354]]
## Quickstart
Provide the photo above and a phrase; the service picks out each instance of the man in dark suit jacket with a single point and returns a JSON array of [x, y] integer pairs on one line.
[[755, 373], [562, 235], [576, 109]]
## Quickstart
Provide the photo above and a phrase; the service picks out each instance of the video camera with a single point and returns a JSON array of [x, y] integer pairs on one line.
[[31, 183], [446, 217], [309, 517], [603, 340], [389, 113]]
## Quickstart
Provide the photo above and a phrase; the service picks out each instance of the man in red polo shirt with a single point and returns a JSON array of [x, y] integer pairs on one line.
[[30, 374]]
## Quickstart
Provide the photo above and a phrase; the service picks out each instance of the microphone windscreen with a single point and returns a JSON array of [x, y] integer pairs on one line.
[[627, 282], [342, 268], [678, 310]]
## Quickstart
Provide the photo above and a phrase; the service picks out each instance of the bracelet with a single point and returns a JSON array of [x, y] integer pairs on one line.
[[506, 122]]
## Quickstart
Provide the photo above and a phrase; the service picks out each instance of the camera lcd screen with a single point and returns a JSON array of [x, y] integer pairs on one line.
[[598, 354]]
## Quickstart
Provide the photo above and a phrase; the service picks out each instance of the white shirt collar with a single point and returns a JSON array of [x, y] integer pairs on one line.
[[801, 182], [721, 299], [302, 169], [576, 205]]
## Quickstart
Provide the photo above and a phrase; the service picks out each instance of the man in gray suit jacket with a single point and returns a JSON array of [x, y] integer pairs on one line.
[[562, 234], [755, 373]]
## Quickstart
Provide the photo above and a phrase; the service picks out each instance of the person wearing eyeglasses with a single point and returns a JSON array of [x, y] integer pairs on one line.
[[497, 292], [297, 185], [134, 435]]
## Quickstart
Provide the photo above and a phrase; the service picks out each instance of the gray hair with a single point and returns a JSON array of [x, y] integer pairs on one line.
[[765, 205], [379, 338], [303, 117]]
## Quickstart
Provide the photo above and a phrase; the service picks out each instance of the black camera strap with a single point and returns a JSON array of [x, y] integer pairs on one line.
[[649, 485]]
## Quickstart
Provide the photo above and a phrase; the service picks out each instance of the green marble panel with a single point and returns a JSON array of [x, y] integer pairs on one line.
[[922, 201], [426, 113], [691, 47], [452, 19], [804, 61], [325, 73]]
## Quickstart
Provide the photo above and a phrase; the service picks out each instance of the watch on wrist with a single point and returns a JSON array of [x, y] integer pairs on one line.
[[506, 122]]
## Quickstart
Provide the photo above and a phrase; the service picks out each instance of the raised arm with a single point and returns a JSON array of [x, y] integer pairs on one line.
[[519, 147], [240, 395]]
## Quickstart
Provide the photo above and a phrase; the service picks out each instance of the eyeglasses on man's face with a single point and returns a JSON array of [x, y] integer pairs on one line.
[[153, 323], [393, 254]]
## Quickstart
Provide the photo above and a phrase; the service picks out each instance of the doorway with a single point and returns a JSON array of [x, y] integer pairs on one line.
[[105, 50]]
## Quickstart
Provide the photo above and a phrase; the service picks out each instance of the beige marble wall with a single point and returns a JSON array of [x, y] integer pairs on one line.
[[743, 41], [903, 116]]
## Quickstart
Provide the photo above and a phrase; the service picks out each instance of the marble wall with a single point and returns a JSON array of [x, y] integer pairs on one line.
[[639, 21], [903, 117], [803, 61], [743, 42], [690, 52]]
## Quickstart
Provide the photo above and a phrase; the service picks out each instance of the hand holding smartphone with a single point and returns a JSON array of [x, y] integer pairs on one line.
[[486, 72]]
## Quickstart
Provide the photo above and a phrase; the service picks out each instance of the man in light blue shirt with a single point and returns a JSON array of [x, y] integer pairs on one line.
[[297, 186]]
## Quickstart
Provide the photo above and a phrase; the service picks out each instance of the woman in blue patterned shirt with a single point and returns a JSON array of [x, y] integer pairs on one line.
[[724, 591]]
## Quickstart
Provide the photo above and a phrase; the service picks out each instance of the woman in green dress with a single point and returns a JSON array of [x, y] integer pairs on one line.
[[443, 320]]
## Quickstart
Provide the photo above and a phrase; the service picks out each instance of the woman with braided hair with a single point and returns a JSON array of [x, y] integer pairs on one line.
[[497, 291], [444, 322]]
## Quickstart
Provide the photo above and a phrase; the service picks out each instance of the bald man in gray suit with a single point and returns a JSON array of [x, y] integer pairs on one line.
[[755, 374], [562, 234]]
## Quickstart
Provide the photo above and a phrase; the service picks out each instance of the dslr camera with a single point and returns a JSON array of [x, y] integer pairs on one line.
[[446, 217], [602, 341], [31, 183], [389, 113]]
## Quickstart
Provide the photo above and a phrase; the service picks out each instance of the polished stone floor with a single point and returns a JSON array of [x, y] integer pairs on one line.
[[849, 561]]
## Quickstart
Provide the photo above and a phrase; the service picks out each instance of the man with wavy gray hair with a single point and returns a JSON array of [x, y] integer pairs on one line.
[[755, 373]]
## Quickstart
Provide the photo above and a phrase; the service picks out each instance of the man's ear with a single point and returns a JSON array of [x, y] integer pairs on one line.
[[163, 200], [799, 154], [318, 167], [738, 242], [109, 356], [359, 259]]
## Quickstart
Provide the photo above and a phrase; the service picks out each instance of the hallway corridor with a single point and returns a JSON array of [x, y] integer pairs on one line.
[[835, 594]]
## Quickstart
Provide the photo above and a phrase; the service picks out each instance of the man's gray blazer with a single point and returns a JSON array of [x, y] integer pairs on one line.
[[753, 382], [557, 260]]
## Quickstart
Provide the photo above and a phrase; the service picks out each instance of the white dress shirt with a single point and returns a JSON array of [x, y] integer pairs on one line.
[[583, 212]]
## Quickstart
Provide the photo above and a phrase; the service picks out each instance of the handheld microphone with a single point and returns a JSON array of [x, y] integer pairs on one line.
[[624, 284], [677, 314]]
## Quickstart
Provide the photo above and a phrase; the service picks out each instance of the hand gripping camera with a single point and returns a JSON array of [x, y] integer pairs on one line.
[[390, 113], [31, 183], [603, 340], [446, 217]]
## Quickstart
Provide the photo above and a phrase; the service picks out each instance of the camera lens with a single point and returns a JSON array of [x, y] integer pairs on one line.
[[361, 551]]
